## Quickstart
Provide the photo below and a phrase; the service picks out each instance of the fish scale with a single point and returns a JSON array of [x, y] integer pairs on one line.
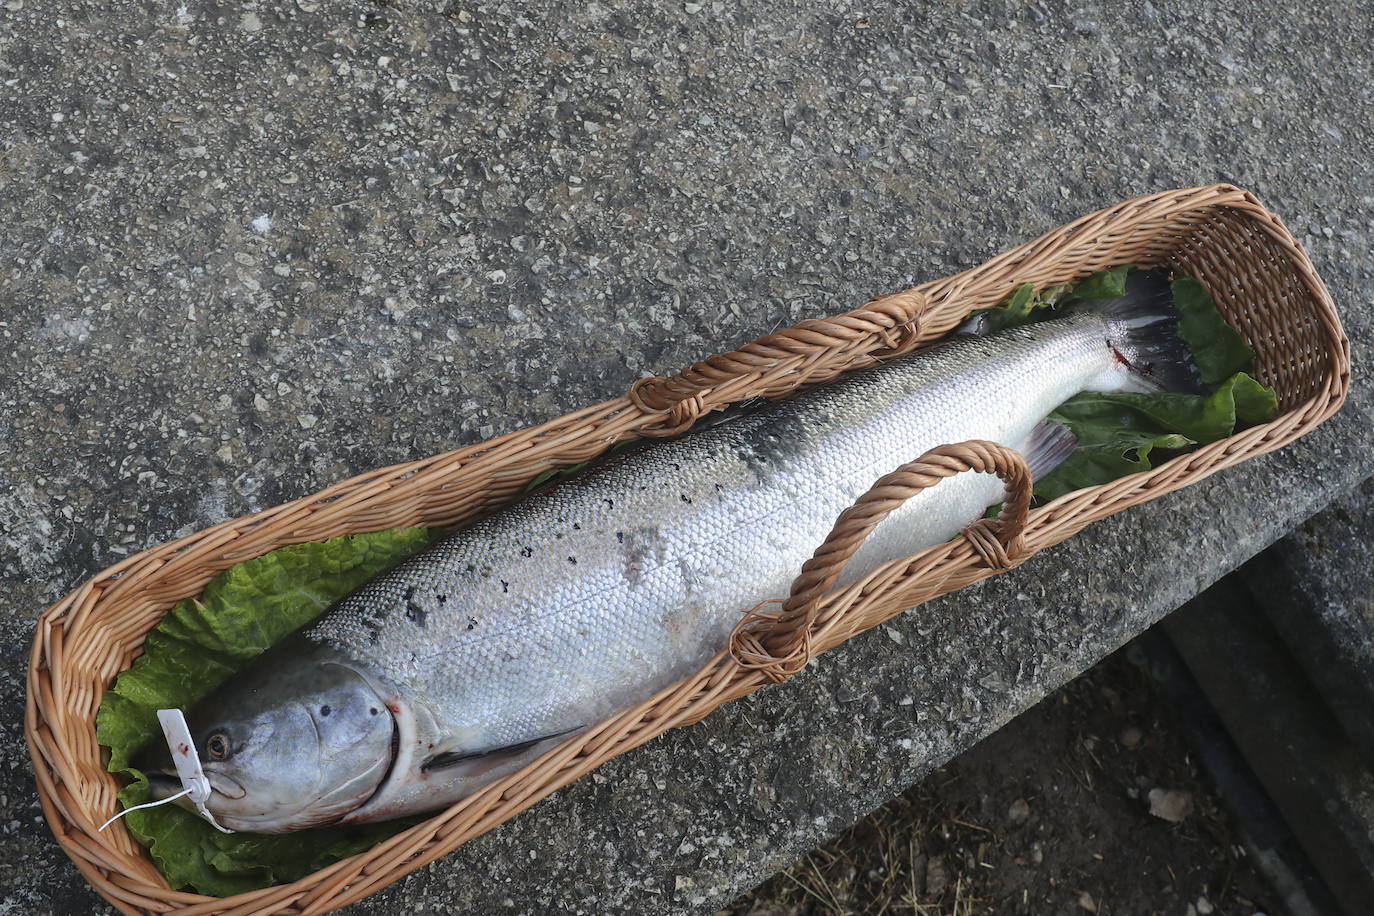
[[589, 596]]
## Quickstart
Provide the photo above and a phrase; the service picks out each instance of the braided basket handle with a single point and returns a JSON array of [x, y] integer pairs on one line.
[[780, 644], [812, 351]]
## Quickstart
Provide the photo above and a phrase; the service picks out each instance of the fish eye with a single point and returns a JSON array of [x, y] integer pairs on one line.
[[217, 746]]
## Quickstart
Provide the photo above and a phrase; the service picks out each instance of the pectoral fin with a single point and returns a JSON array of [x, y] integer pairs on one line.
[[481, 761]]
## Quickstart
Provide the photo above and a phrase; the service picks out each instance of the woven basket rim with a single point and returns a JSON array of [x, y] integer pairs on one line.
[[60, 743]]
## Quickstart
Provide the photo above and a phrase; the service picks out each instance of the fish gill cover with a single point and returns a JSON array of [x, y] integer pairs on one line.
[[254, 604]]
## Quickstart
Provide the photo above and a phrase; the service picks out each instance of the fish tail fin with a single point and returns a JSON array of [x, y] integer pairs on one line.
[[1142, 331], [1048, 446]]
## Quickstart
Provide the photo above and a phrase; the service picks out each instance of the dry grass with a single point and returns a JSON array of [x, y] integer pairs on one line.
[[902, 859]]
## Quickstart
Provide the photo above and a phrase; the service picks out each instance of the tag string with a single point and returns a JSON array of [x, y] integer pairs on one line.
[[151, 804], [162, 801]]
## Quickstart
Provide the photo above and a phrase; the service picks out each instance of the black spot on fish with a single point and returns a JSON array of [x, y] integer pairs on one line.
[[471, 567], [558, 535], [685, 498], [505, 586], [572, 560], [610, 503], [441, 598], [472, 622], [414, 612], [374, 711], [526, 551], [325, 710], [576, 527], [620, 537], [373, 628]]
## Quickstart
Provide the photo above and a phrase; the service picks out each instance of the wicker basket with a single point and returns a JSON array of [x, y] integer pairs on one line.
[[1261, 279]]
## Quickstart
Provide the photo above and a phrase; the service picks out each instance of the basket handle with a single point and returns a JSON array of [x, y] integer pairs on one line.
[[779, 644], [811, 351]]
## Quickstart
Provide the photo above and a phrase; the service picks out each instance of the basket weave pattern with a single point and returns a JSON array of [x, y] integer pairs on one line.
[[1261, 279]]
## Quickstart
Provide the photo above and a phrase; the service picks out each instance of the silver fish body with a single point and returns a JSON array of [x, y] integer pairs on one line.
[[582, 600], [588, 597]]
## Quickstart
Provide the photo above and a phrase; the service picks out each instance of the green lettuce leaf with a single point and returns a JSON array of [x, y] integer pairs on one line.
[[1016, 311], [1218, 349], [1117, 433], [1201, 418], [1105, 284], [200, 643], [1022, 306], [1025, 304]]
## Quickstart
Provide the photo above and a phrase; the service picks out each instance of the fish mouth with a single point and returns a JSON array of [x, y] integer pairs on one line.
[[225, 786], [165, 784]]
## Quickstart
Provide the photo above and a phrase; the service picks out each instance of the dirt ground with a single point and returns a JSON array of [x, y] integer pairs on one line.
[[1051, 815]]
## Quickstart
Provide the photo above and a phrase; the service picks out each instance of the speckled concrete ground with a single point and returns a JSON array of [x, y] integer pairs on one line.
[[249, 249]]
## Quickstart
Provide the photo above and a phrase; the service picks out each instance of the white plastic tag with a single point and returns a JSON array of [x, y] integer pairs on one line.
[[187, 761], [194, 785]]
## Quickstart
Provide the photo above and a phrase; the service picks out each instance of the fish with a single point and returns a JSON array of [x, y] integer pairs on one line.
[[473, 658]]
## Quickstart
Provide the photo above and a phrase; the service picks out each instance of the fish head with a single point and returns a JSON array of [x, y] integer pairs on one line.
[[296, 740]]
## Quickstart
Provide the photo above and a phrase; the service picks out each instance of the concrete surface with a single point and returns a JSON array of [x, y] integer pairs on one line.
[[249, 249]]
